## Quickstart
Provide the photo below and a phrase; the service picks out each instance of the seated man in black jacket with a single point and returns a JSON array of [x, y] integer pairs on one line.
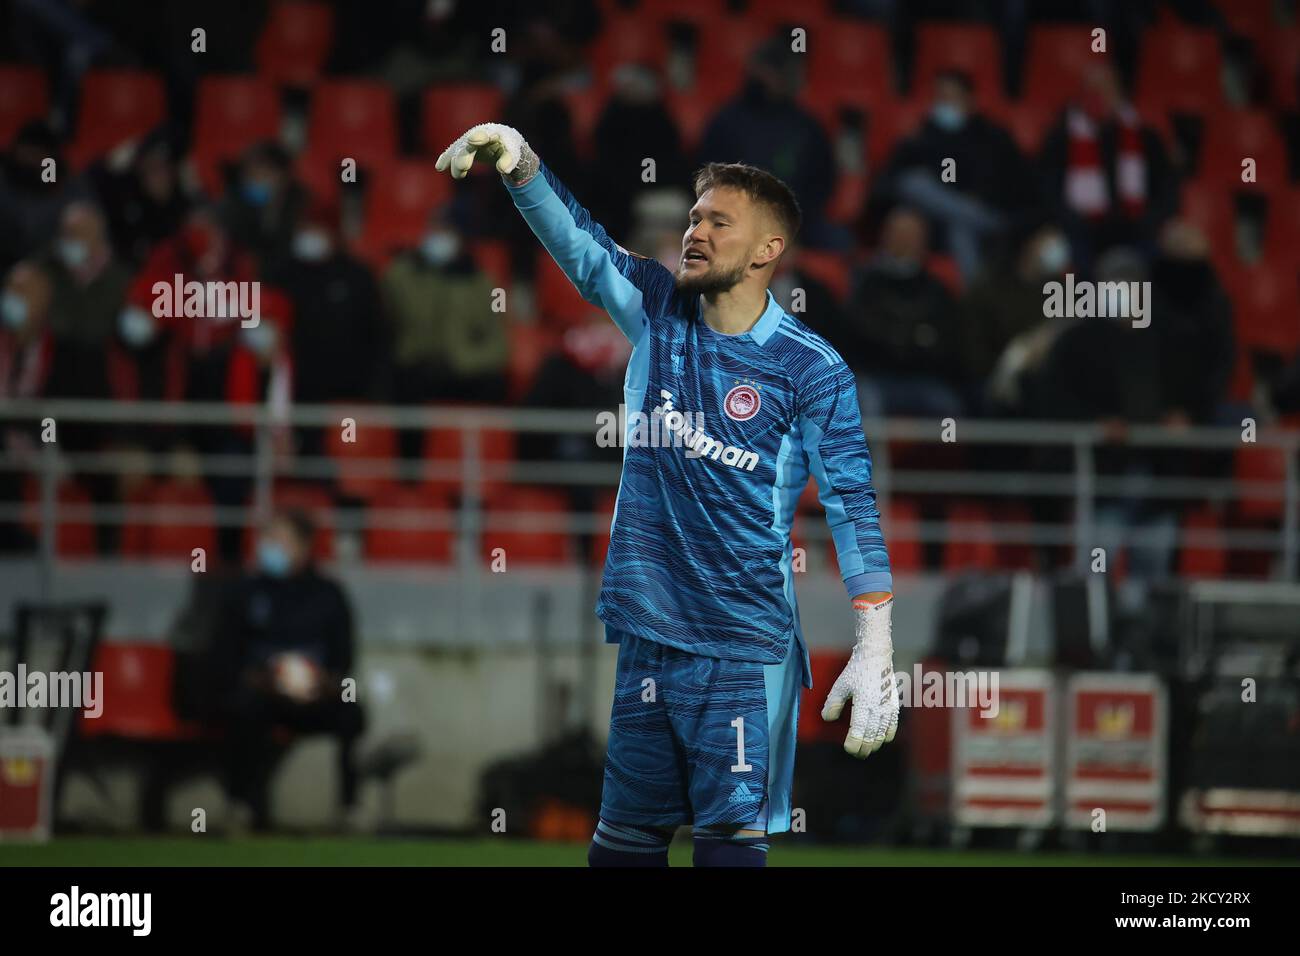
[[286, 646]]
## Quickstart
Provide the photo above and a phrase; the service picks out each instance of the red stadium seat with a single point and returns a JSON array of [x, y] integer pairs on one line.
[[888, 122], [585, 107], [1057, 59], [600, 540], [231, 114], [722, 56], [970, 48], [320, 172], [1266, 306], [1211, 207], [778, 11], [493, 257], [1281, 51], [1179, 69], [354, 118], [626, 39], [849, 61], [1231, 137], [1009, 516], [1260, 464], [23, 97], [409, 544], [899, 524], [975, 549], [444, 446], [116, 106], [1203, 560], [829, 268], [367, 466], [75, 538], [400, 196], [529, 345], [1282, 231], [520, 544], [1027, 122], [295, 42], [451, 108], [145, 537], [138, 683], [689, 11], [558, 300], [1250, 18], [692, 111], [944, 268], [825, 666]]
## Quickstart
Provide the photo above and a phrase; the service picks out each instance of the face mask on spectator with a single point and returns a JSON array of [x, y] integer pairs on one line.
[[255, 193], [73, 252], [1053, 256], [272, 559], [13, 308], [948, 117], [311, 245], [136, 326], [439, 248], [260, 338]]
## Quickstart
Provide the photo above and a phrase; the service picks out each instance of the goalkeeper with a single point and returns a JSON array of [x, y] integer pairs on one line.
[[742, 402]]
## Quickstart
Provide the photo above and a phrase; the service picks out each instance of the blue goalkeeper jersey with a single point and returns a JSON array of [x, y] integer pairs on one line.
[[722, 433]]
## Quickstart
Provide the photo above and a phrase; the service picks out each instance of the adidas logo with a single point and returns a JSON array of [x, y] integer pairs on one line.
[[741, 795]]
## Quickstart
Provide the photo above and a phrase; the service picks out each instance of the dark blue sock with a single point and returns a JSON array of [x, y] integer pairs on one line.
[[626, 844], [720, 848]]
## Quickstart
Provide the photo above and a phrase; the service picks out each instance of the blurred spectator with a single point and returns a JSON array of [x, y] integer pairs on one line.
[[901, 336], [30, 206], [989, 192], [1107, 173], [336, 344], [1106, 371], [448, 343], [26, 359], [766, 127], [1192, 327], [197, 347], [90, 287], [142, 198], [285, 645], [1005, 306], [634, 127], [261, 209]]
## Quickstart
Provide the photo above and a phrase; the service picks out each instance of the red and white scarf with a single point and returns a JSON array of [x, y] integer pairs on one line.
[[1087, 191]]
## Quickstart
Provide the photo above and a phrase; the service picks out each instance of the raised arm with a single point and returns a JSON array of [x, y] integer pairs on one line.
[[627, 286]]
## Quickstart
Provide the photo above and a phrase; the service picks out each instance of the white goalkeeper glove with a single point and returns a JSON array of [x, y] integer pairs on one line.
[[868, 678], [501, 145]]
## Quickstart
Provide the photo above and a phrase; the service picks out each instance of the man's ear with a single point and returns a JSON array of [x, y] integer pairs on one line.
[[770, 250]]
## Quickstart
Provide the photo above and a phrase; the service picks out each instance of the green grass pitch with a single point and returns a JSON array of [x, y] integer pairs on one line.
[[215, 850]]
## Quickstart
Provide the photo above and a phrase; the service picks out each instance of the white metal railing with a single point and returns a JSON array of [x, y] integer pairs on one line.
[[263, 466]]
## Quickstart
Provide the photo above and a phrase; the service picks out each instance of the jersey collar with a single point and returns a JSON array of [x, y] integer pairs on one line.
[[761, 330]]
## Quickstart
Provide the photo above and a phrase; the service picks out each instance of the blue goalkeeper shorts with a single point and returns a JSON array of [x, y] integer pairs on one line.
[[699, 740]]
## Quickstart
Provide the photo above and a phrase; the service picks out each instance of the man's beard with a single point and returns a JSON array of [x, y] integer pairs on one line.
[[711, 282]]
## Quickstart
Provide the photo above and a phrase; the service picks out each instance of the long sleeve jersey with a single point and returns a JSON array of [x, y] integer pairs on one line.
[[722, 433]]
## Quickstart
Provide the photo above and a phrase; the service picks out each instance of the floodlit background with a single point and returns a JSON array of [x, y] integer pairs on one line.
[[1100, 511]]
